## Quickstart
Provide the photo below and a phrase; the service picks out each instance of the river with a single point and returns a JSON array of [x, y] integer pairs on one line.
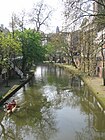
[[57, 106]]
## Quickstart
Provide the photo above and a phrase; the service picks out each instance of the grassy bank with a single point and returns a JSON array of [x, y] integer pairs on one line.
[[95, 84]]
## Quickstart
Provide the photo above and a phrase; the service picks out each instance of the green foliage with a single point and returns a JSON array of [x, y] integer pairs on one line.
[[8, 47], [49, 49], [32, 50], [56, 45]]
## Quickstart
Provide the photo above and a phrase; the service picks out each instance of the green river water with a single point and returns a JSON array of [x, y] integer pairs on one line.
[[57, 106]]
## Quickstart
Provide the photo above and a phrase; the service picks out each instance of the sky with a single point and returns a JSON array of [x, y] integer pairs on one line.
[[9, 6]]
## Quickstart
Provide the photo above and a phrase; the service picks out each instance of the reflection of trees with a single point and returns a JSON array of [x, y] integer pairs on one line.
[[95, 118], [69, 90], [53, 75], [8, 129], [76, 83], [89, 134], [66, 84], [35, 118], [90, 106], [3, 129]]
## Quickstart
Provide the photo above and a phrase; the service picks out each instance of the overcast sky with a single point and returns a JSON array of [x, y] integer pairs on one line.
[[7, 7]]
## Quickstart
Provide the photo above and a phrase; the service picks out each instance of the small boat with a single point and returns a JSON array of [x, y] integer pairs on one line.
[[10, 107], [11, 110]]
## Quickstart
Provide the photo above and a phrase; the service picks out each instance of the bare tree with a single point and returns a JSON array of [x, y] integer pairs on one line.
[[40, 15], [18, 22], [75, 10]]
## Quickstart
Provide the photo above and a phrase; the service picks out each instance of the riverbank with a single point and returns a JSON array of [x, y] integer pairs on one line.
[[13, 86], [95, 84], [11, 82]]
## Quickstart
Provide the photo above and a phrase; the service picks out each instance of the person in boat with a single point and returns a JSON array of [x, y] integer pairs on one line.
[[13, 103], [10, 106]]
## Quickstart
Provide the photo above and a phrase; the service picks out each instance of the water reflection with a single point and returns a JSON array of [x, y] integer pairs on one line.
[[34, 120], [57, 107]]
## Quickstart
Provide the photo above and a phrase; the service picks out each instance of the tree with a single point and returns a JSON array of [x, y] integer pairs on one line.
[[90, 14], [60, 49], [32, 50], [76, 10], [18, 22], [55, 46], [99, 19], [40, 15], [8, 46], [49, 51], [89, 48]]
